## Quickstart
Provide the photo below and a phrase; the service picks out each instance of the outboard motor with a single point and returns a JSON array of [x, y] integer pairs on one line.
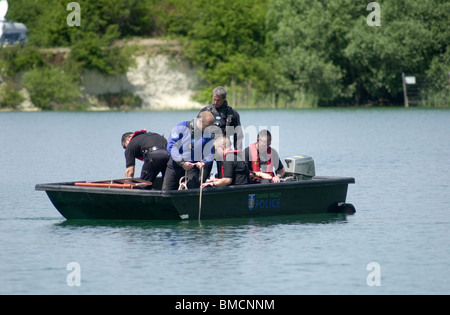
[[299, 167]]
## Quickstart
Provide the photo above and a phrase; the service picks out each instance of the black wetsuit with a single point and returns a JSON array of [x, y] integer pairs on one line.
[[151, 148], [225, 116]]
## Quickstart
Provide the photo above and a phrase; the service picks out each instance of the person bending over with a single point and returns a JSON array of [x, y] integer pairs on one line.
[[148, 147], [189, 151]]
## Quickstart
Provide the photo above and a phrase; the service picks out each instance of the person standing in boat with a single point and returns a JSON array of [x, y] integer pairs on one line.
[[226, 118], [189, 151], [227, 121], [148, 147], [263, 161], [233, 170]]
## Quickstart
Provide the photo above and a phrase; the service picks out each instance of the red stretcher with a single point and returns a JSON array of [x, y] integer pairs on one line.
[[124, 183]]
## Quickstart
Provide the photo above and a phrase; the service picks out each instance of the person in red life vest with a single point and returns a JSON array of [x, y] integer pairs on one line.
[[232, 169], [149, 147], [263, 161]]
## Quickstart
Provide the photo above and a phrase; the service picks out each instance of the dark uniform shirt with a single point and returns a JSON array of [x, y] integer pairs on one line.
[[236, 169], [225, 116], [142, 143]]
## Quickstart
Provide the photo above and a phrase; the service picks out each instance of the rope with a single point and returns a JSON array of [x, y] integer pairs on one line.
[[200, 197], [183, 186]]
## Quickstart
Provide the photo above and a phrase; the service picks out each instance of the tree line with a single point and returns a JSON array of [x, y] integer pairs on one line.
[[269, 53]]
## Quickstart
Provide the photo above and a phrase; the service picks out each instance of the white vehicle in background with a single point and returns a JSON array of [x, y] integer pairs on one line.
[[11, 33]]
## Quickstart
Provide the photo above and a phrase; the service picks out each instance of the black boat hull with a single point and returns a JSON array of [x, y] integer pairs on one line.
[[319, 195]]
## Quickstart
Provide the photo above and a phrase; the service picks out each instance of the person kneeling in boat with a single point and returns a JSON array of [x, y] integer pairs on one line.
[[188, 148], [263, 161], [232, 168], [148, 147]]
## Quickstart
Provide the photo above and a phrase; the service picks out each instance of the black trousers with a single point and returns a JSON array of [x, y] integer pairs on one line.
[[155, 162], [174, 172]]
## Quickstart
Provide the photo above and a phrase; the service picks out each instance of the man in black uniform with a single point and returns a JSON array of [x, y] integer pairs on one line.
[[149, 147], [226, 118], [227, 122], [233, 170]]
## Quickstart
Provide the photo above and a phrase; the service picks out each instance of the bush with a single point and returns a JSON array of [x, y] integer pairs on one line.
[[52, 89], [122, 101], [92, 52], [14, 59], [10, 96]]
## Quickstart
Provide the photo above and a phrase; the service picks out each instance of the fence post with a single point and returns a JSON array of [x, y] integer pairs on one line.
[[405, 97]]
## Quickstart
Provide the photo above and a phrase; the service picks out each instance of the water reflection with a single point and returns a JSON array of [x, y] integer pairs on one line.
[[323, 218], [204, 232], [190, 243]]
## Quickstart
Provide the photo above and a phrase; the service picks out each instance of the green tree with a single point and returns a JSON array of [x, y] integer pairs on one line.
[[15, 59], [226, 38], [412, 32], [92, 52], [308, 37], [328, 49], [380, 54], [51, 88], [47, 19], [10, 96]]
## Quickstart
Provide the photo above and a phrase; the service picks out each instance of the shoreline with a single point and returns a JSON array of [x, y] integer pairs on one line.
[[168, 109]]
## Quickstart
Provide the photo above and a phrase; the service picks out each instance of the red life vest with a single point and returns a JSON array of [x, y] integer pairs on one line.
[[138, 133], [224, 156], [254, 158]]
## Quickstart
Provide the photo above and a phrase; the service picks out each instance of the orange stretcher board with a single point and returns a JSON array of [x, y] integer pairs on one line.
[[126, 183]]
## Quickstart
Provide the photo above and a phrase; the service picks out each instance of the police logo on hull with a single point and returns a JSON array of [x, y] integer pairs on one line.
[[264, 201], [251, 201]]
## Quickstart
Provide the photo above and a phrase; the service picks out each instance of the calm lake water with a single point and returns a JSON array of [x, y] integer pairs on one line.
[[398, 242]]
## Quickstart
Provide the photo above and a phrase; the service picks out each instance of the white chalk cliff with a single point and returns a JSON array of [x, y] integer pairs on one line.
[[160, 82]]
